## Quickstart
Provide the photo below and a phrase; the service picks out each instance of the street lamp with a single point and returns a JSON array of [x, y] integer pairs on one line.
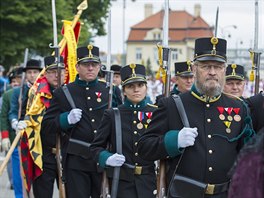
[[225, 27]]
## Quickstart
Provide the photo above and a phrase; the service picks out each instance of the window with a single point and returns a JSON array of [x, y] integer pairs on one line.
[[174, 55], [138, 54]]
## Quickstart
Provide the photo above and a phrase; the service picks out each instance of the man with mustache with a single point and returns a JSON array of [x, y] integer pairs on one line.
[[207, 149]]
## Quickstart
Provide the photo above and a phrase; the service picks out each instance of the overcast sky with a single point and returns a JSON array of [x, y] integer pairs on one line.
[[240, 13]]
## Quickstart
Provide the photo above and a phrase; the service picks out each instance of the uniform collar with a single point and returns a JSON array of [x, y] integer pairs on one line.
[[175, 90], [139, 105], [84, 83], [202, 97]]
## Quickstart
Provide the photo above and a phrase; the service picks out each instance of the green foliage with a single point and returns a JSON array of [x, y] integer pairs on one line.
[[28, 24], [149, 71]]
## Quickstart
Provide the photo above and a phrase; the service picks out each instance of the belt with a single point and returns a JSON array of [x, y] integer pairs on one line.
[[140, 170], [212, 189]]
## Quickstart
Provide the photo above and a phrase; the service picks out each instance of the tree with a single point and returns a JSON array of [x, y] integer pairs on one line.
[[149, 71], [28, 24]]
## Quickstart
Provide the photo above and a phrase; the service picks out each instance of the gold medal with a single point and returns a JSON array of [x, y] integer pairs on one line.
[[222, 117], [148, 121], [140, 125], [230, 118], [237, 118], [228, 130], [99, 99]]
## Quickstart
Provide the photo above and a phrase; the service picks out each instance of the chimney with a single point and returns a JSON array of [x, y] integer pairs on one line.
[[197, 10], [148, 10]]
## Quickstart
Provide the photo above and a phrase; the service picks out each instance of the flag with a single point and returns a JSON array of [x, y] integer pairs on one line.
[[71, 35], [31, 147]]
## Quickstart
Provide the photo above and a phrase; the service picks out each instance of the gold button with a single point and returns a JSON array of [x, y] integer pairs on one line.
[[136, 154], [92, 120], [135, 112], [95, 131], [136, 164], [210, 168], [135, 122], [208, 120], [88, 98], [207, 105], [87, 88], [135, 132], [210, 151], [136, 143], [90, 109], [209, 136]]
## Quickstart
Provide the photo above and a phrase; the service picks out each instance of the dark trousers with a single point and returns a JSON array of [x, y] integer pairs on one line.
[[43, 185], [82, 184]]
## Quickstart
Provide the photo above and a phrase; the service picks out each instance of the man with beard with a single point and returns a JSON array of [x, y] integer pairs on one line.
[[207, 149]]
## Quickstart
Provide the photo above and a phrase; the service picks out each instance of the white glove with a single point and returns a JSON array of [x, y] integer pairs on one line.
[[74, 116], [5, 144], [115, 160], [14, 123], [21, 125], [186, 137]]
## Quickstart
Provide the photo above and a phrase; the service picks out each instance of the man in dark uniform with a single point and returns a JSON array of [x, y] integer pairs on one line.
[[235, 80], [137, 176], [80, 124], [216, 131], [43, 184], [256, 105], [183, 77], [117, 76]]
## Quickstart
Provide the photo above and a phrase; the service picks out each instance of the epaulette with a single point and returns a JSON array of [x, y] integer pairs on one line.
[[233, 96], [152, 105], [102, 80]]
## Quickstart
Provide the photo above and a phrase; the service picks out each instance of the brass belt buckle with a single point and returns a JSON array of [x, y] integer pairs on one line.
[[210, 189], [138, 170]]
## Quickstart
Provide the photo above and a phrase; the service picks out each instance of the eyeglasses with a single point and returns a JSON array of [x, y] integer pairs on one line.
[[207, 67]]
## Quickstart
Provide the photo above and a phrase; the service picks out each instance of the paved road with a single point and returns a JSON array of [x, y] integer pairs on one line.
[[5, 191]]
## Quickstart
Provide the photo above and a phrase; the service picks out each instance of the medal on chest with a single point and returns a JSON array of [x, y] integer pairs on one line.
[[237, 117], [98, 94], [149, 115], [229, 111], [140, 118]]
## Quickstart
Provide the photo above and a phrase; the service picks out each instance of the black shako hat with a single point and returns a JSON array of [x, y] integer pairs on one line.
[[235, 72], [207, 49], [88, 54], [183, 68], [116, 69], [33, 64], [133, 73], [50, 62]]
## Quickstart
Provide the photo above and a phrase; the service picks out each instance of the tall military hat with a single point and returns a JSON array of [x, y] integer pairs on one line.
[[16, 72], [33, 64], [116, 68], [235, 72], [183, 68], [207, 49], [88, 54], [133, 73], [50, 62]]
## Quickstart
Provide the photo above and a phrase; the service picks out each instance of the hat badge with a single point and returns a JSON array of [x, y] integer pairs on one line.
[[234, 66], [189, 63], [214, 42], [133, 66], [90, 47]]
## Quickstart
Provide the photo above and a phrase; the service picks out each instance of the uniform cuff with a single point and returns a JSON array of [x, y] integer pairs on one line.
[[64, 121], [171, 143], [5, 134], [103, 155]]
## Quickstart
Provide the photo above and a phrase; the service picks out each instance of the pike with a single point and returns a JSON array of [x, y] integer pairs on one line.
[[105, 193], [166, 66], [216, 21], [62, 193]]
